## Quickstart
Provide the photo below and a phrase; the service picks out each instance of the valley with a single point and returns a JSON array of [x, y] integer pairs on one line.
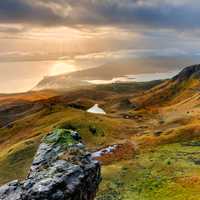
[[155, 125]]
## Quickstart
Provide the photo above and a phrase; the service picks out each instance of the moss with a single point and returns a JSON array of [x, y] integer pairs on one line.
[[60, 136]]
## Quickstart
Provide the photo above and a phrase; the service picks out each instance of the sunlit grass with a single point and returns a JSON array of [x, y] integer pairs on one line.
[[163, 173]]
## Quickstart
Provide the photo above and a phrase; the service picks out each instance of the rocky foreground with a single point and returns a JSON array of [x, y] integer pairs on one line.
[[61, 170]]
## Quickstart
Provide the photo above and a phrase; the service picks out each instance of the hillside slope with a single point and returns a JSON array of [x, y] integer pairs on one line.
[[181, 87]]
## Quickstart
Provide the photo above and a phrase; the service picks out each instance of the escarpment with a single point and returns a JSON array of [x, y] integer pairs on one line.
[[61, 170]]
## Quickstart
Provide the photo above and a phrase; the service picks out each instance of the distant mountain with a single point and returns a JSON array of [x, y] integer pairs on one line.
[[109, 71]]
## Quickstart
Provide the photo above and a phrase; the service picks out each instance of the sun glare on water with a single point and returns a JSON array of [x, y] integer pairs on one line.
[[60, 67]]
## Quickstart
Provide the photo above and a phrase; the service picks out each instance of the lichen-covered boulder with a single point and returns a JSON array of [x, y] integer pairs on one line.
[[61, 170]]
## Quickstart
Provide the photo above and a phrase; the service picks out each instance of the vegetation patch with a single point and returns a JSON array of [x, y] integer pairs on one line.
[[165, 172], [60, 136], [16, 163]]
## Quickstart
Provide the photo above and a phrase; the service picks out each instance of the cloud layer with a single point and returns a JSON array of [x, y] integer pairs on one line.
[[91, 32], [176, 14]]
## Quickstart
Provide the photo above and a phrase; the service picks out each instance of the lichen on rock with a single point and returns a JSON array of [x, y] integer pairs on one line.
[[61, 170]]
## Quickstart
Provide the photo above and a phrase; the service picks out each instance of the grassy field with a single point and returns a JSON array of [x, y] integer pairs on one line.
[[20, 142], [167, 172]]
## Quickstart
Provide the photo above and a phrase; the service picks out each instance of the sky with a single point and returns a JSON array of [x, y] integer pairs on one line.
[[82, 32]]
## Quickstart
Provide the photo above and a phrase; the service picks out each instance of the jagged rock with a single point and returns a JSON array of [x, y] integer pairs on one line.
[[61, 170]]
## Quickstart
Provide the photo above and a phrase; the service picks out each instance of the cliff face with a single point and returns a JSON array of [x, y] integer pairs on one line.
[[61, 170]]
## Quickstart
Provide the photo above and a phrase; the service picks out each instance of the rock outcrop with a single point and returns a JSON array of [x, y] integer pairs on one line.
[[61, 170], [188, 72]]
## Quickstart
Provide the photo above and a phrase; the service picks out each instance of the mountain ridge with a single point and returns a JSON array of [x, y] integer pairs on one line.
[[182, 86], [192, 71]]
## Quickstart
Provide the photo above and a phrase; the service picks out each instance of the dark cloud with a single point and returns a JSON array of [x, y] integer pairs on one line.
[[27, 12], [177, 14]]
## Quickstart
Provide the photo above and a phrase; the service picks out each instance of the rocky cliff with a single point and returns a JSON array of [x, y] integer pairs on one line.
[[61, 170]]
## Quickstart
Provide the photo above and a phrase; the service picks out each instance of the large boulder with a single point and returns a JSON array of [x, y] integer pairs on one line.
[[61, 170]]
